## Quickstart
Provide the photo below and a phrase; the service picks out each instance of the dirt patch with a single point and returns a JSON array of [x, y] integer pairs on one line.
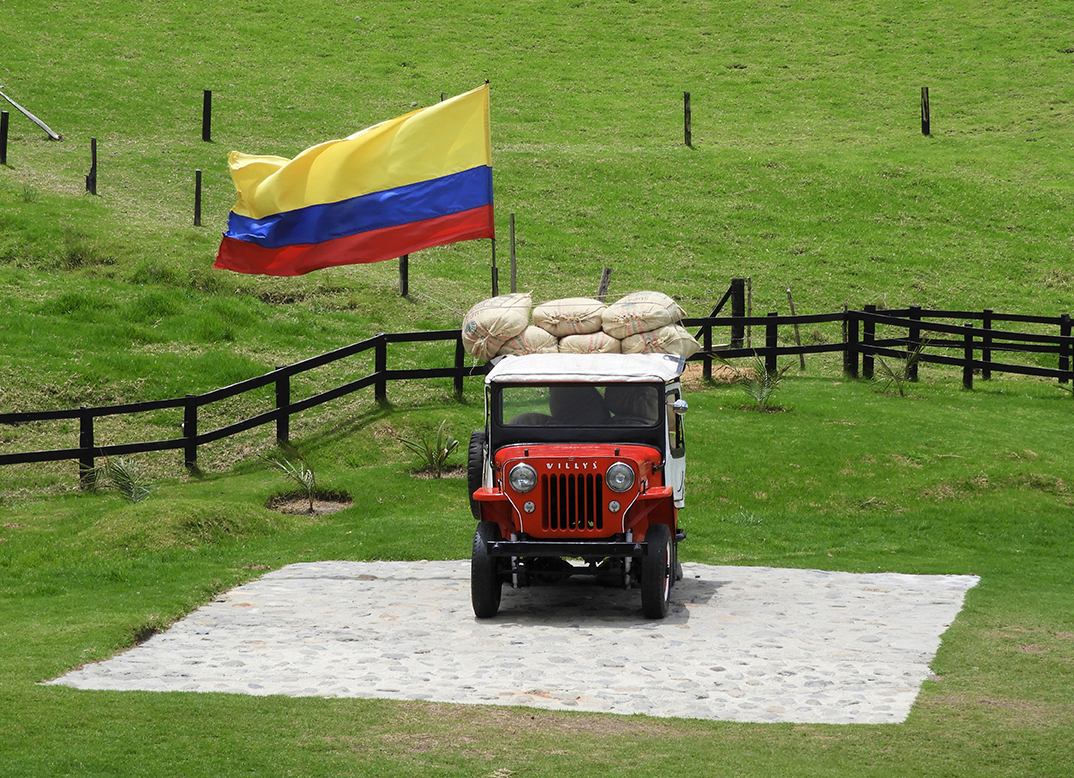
[[299, 504], [693, 374], [447, 472]]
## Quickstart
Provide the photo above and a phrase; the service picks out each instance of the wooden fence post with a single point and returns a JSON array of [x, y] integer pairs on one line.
[[686, 119], [190, 431], [404, 275], [460, 363], [380, 367], [986, 345], [771, 343], [915, 341], [197, 198], [967, 355], [91, 177], [207, 116], [850, 344], [926, 122], [605, 282], [85, 445], [868, 339], [3, 137], [283, 406], [738, 311], [1064, 348]]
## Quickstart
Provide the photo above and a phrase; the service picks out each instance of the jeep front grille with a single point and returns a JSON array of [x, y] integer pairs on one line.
[[573, 501]]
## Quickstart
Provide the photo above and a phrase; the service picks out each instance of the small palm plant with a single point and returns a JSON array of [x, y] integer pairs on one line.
[[898, 373], [760, 383], [120, 475], [434, 452], [301, 474]]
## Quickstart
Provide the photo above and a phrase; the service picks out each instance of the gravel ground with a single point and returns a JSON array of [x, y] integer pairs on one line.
[[740, 643]]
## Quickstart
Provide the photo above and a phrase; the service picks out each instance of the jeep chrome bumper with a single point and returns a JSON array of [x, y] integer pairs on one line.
[[571, 548]]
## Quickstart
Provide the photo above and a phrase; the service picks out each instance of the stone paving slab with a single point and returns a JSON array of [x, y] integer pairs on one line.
[[740, 643]]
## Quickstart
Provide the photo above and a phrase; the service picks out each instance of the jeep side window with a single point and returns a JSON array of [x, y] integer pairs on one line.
[[675, 426]]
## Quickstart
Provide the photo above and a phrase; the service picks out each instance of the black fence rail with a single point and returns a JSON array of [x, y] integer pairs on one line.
[[975, 348], [971, 345], [285, 405]]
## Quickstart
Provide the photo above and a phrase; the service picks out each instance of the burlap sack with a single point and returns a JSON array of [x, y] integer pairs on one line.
[[493, 322], [673, 339], [533, 340], [571, 316], [593, 343], [640, 312]]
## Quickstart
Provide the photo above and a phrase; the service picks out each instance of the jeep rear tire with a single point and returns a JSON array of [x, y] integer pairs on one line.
[[657, 572], [485, 583], [475, 469]]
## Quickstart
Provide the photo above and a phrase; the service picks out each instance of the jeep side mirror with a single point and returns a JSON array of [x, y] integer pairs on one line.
[[680, 407]]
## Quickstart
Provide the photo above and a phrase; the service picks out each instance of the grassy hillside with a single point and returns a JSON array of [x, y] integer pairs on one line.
[[808, 170]]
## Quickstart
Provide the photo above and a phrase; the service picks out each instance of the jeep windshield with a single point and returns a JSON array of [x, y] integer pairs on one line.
[[580, 405], [577, 413]]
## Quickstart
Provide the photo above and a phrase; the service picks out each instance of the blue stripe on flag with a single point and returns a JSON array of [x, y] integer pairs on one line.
[[393, 207]]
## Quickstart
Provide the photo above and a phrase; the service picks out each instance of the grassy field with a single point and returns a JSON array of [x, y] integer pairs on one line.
[[808, 171]]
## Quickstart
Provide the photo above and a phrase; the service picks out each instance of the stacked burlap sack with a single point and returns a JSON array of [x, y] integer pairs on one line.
[[642, 322]]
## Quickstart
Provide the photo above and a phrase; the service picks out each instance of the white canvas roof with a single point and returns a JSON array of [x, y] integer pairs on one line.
[[585, 368]]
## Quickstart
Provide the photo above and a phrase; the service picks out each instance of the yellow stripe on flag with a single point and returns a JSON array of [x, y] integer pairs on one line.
[[445, 138]]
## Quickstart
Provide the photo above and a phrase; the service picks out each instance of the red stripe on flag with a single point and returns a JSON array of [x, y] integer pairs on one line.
[[373, 246]]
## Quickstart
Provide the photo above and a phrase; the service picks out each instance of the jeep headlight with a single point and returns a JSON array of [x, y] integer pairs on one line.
[[619, 477], [522, 478]]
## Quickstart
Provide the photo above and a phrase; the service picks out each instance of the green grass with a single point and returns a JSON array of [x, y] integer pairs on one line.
[[808, 171], [941, 482]]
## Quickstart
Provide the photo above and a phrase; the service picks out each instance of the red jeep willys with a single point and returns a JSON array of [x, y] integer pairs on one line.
[[582, 458]]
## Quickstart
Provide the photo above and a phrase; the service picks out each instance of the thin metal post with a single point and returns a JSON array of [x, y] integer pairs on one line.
[[514, 266]]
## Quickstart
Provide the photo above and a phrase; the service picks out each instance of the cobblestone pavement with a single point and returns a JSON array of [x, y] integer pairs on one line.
[[740, 643]]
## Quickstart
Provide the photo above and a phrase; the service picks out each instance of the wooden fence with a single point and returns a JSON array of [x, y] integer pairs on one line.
[[866, 334]]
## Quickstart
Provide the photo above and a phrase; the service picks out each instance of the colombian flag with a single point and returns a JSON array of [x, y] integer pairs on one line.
[[423, 179]]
